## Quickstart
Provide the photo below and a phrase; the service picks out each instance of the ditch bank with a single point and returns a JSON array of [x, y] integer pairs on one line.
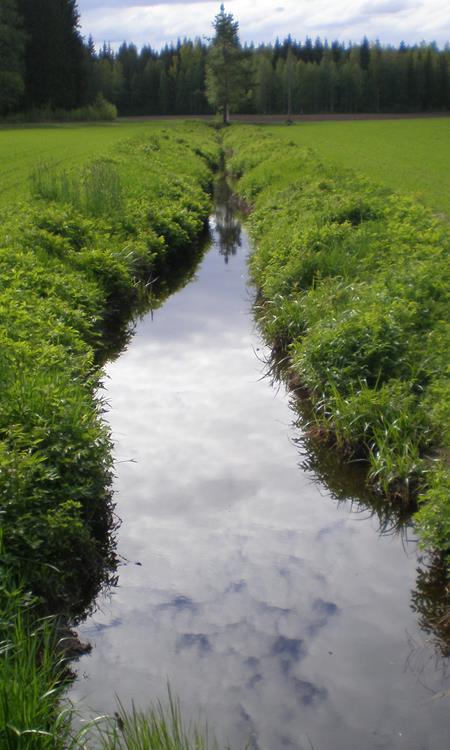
[[353, 286], [93, 247]]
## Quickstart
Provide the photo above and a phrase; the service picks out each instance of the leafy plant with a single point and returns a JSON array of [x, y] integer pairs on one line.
[[74, 265], [352, 284]]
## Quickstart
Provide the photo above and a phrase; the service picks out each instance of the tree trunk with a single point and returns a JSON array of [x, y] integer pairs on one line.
[[289, 102]]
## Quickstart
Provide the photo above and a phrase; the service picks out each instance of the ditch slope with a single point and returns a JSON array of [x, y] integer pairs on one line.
[[76, 262], [353, 284]]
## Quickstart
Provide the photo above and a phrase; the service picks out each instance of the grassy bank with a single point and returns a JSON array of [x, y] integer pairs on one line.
[[75, 262], [411, 156], [70, 145], [353, 284]]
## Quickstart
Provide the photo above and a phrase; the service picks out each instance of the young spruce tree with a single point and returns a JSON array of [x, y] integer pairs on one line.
[[12, 46], [225, 67], [54, 54]]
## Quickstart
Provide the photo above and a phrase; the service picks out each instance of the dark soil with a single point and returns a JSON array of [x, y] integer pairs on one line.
[[274, 119]]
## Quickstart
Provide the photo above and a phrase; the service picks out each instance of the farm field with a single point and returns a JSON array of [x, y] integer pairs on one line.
[[21, 147], [408, 155]]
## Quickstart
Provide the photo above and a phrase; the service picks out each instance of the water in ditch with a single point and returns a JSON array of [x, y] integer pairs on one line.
[[279, 614]]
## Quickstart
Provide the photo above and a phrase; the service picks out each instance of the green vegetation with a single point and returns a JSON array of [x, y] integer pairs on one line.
[[225, 70], [75, 262], [160, 727], [353, 282], [12, 50], [45, 64], [31, 673], [98, 111], [23, 148], [408, 155]]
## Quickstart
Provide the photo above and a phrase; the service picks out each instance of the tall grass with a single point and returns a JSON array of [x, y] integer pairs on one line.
[[160, 727], [31, 674], [353, 285], [97, 191], [34, 675], [71, 265], [71, 146]]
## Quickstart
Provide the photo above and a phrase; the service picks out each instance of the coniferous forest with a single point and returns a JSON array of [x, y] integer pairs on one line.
[[45, 63]]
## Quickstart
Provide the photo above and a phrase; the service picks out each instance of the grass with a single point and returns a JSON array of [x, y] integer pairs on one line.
[[31, 674], [407, 155], [96, 191], [160, 727], [353, 283], [34, 675], [23, 148], [75, 262]]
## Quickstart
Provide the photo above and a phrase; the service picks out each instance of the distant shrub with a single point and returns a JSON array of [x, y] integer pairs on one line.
[[99, 111]]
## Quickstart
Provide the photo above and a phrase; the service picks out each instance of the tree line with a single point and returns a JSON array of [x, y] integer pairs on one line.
[[44, 62]]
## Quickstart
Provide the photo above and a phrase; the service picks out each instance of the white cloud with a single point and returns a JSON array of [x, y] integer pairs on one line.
[[157, 23], [84, 5]]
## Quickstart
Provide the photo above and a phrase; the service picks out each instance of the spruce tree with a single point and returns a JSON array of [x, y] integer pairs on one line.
[[264, 83], [54, 53], [12, 49], [225, 68], [289, 73]]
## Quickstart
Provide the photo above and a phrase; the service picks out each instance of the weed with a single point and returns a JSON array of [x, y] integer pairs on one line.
[[160, 727], [74, 263], [31, 676], [352, 282]]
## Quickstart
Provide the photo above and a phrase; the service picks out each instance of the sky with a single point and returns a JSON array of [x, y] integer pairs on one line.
[[156, 22]]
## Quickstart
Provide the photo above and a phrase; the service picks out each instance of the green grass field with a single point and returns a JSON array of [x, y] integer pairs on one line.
[[22, 147], [408, 155], [412, 156]]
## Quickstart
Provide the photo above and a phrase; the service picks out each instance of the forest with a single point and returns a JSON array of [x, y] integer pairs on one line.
[[46, 64]]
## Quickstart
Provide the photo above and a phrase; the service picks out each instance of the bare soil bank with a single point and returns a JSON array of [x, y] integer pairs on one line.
[[271, 119]]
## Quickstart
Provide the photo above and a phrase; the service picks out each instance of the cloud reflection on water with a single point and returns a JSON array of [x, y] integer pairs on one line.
[[265, 603]]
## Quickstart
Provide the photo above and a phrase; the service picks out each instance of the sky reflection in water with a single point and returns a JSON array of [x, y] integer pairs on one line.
[[276, 614]]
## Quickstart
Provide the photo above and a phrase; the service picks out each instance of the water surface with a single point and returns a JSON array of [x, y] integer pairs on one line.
[[278, 614]]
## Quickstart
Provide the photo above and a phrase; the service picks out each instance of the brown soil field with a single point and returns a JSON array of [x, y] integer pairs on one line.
[[272, 119]]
